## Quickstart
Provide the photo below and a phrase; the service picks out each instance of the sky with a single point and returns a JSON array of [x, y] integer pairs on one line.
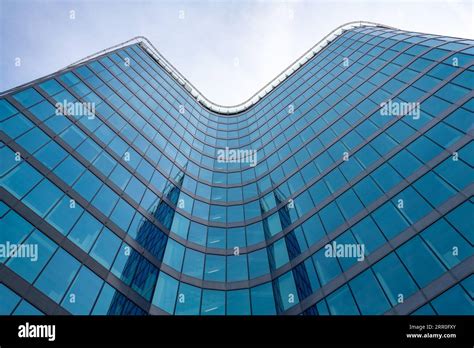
[[228, 49]]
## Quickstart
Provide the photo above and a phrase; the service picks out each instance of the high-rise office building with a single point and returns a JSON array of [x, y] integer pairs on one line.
[[343, 187]]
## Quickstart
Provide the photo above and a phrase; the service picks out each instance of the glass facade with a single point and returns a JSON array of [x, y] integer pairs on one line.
[[116, 198]]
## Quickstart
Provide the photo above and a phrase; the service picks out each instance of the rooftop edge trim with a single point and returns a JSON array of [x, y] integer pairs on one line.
[[146, 44]]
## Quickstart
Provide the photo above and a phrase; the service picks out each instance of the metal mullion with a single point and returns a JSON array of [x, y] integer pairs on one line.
[[199, 111], [308, 184], [385, 64], [80, 255], [93, 210], [70, 192], [380, 253], [29, 293], [362, 214], [125, 237], [379, 202], [198, 179], [309, 87], [457, 273]]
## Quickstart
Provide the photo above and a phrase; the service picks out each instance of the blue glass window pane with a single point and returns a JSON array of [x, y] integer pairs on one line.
[[394, 278], [424, 149], [15, 126], [349, 204], [236, 238], [8, 160], [313, 230], [85, 231], [386, 177], [454, 301], [258, 263], [312, 275], [389, 220], [30, 267], [405, 163], [24, 308], [122, 214], [174, 255], [165, 292], [458, 173], [105, 248], [51, 154], [327, 267], [180, 225], [368, 294], [278, 254], [135, 189], [189, 300], [420, 261], [57, 276], [104, 300], [255, 233], [287, 290], [238, 302], [237, 268], [28, 97], [43, 197], [69, 170], [468, 285], [14, 229], [9, 300], [193, 263], [458, 219], [448, 245], [331, 217], [341, 302], [33, 140], [122, 260], [366, 232], [213, 302], [105, 200], [64, 215], [367, 191], [6, 109], [215, 268], [51, 86], [424, 310], [414, 206], [262, 300], [197, 233], [87, 185], [82, 294], [434, 189], [120, 176], [356, 254], [21, 179]]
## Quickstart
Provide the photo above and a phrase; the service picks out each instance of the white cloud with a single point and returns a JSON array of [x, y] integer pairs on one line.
[[205, 43]]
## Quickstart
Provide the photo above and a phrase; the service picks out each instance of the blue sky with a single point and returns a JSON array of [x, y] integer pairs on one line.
[[227, 49]]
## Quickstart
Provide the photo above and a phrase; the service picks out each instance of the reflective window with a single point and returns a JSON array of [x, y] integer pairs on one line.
[[341, 302], [368, 294], [262, 300], [165, 292], [41, 249], [420, 261], [82, 294], [57, 275]]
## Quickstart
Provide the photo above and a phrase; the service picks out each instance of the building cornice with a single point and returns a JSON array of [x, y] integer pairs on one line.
[[146, 44]]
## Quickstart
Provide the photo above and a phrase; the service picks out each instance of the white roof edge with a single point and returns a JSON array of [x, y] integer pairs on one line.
[[233, 109]]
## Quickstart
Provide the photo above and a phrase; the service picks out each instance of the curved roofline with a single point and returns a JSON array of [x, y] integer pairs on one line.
[[233, 109]]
